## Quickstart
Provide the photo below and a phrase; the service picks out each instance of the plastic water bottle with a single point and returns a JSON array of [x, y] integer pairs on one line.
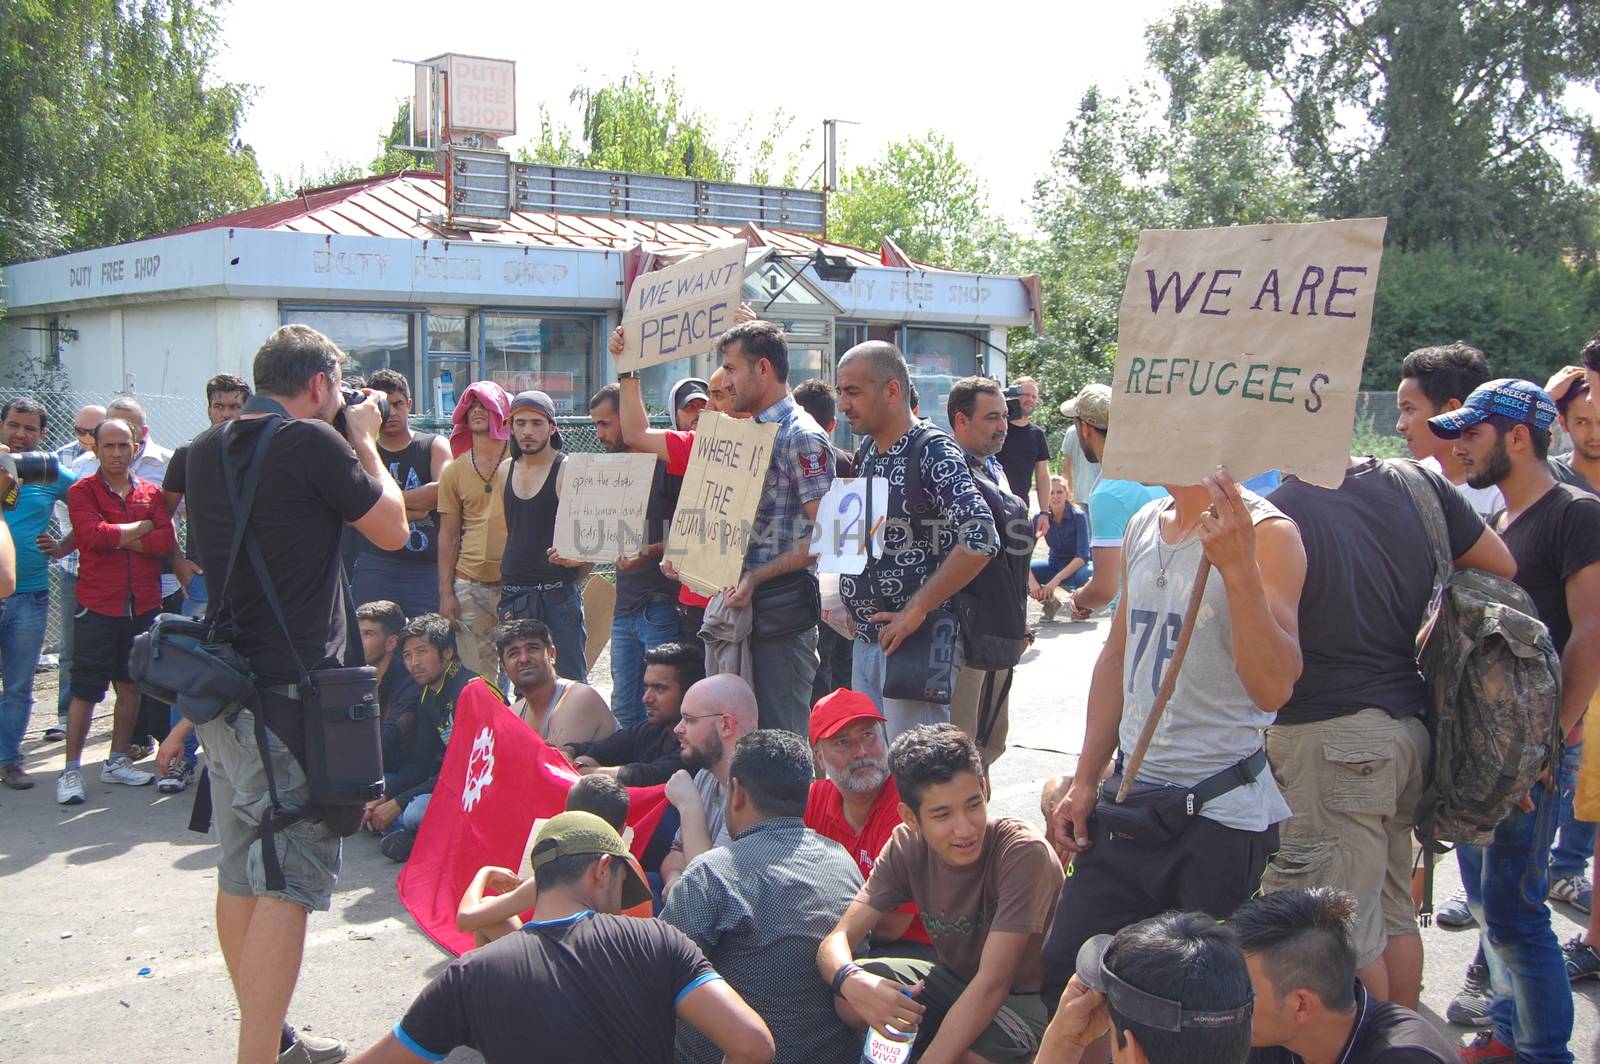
[[882, 1050], [445, 393]]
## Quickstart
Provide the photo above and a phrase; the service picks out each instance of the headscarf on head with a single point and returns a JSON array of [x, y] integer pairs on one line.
[[494, 399]]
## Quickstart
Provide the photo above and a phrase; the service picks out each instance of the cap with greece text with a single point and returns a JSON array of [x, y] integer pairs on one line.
[[575, 833], [1092, 404], [838, 708], [533, 399], [1523, 402]]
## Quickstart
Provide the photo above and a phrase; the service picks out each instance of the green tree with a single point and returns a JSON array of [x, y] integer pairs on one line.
[[391, 158], [640, 123], [1460, 105], [112, 126], [921, 195]]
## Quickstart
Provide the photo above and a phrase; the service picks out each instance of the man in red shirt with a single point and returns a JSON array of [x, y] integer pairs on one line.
[[858, 805], [124, 532]]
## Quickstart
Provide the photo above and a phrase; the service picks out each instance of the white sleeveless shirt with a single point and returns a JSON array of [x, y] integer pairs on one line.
[[1210, 723]]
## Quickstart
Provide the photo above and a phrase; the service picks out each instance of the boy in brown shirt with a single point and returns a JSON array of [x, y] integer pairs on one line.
[[986, 890]]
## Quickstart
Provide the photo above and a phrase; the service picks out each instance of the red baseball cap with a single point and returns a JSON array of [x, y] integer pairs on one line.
[[838, 708]]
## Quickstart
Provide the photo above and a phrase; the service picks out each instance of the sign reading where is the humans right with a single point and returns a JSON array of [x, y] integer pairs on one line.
[[1243, 348], [680, 311], [717, 505]]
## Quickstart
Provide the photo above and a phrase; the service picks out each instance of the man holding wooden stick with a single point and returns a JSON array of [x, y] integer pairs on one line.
[[1194, 829]]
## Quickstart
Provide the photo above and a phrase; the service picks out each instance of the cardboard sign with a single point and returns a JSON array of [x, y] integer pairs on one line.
[[840, 543], [680, 311], [599, 606], [601, 515], [1242, 348], [717, 506]]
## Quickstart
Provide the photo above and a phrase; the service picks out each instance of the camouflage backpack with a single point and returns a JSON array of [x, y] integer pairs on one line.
[[1494, 691]]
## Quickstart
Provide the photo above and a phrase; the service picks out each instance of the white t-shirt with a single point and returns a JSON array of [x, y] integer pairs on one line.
[[1486, 501]]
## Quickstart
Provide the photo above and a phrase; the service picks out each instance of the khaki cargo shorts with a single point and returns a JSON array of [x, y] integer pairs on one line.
[[308, 850], [1353, 784]]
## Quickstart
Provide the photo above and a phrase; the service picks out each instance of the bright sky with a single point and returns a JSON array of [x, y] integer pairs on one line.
[[1000, 81]]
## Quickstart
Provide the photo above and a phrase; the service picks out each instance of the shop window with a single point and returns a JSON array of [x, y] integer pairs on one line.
[[552, 354], [937, 359], [374, 339], [450, 363]]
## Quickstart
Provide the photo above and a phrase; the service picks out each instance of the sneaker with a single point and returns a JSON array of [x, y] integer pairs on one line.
[[309, 1049], [1583, 962], [177, 778], [12, 776], [1576, 891], [1454, 913], [397, 846], [1470, 1008], [69, 787], [54, 735], [1485, 1048], [138, 751], [121, 770]]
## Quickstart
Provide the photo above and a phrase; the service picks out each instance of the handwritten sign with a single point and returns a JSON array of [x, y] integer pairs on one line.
[[680, 311], [601, 516], [717, 506], [843, 521], [1242, 347]]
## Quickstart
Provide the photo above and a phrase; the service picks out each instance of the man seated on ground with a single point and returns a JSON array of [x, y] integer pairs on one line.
[[381, 623], [428, 648], [646, 753], [717, 712], [760, 905], [858, 804], [492, 905], [1173, 989], [580, 982], [561, 711], [1309, 1006], [986, 888]]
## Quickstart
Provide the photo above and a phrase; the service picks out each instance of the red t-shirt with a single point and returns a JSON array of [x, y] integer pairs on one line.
[[825, 816], [679, 446]]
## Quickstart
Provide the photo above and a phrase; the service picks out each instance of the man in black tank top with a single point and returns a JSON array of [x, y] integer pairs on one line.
[[537, 583], [408, 576]]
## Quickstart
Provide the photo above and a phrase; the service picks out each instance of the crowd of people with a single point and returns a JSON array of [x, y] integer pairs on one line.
[[828, 883]]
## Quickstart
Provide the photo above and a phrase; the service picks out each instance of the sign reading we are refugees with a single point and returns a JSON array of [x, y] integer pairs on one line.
[[1242, 347], [717, 505], [601, 516], [680, 311]]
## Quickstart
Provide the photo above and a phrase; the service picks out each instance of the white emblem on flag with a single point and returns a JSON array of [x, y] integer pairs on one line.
[[480, 769]]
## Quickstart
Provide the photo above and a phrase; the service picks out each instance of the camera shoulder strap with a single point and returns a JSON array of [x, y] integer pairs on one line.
[[242, 501]]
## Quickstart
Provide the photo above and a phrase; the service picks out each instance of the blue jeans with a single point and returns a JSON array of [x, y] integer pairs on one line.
[[632, 634], [1575, 838], [561, 610], [410, 818], [1506, 883], [1043, 571], [67, 608], [411, 585], [22, 620]]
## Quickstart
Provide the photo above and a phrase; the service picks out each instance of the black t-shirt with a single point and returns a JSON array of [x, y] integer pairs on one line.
[[1369, 578], [1024, 448], [1551, 540], [412, 467], [637, 586], [531, 531], [589, 987], [311, 485], [177, 476], [1385, 1033]]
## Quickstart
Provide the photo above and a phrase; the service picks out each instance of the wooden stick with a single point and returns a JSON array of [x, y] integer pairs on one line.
[[1130, 768]]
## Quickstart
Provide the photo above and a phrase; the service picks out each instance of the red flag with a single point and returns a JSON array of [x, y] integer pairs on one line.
[[498, 777]]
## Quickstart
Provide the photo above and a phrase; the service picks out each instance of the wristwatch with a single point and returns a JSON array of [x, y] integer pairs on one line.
[[628, 375]]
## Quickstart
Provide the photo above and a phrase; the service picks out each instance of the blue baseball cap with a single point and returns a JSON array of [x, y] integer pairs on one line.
[[1522, 401]]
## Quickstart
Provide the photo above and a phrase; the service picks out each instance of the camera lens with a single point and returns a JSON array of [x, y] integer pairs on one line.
[[36, 467]]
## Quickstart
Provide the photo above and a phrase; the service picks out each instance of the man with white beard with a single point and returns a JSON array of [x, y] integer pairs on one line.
[[858, 805]]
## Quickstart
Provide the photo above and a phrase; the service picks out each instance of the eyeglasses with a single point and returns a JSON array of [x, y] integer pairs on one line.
[[81, 431], [702, 716]]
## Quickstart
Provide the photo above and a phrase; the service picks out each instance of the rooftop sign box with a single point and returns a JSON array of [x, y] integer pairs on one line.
[[479, 95]]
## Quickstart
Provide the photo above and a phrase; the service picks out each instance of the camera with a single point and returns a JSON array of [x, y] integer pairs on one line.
[[1013, 396], [31, 467], [351, 397]]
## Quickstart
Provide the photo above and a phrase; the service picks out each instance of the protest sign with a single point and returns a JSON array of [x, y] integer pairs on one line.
[[721, 490], [1242, 347], [497, 779], [840, 543], [680, 311], [601, 515]]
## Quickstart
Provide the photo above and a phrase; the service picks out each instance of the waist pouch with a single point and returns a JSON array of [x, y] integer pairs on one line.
[[786, 606], [923, 667], [526, 601], [1160, 812], [344, 744], [183, 662]]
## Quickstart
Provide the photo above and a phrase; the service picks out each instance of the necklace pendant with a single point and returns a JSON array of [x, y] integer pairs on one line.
[[1161, 580], [487, 488]]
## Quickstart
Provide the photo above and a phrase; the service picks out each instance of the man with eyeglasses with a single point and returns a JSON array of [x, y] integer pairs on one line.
[[66, 565], [717, 712]]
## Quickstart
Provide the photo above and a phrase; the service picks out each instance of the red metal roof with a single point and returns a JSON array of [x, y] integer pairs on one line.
[[397, 206]]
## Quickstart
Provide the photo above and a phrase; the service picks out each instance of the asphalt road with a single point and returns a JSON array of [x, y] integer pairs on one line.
[[96, 894]]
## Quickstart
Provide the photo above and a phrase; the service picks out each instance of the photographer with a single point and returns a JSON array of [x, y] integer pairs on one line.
[[311, 484]]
